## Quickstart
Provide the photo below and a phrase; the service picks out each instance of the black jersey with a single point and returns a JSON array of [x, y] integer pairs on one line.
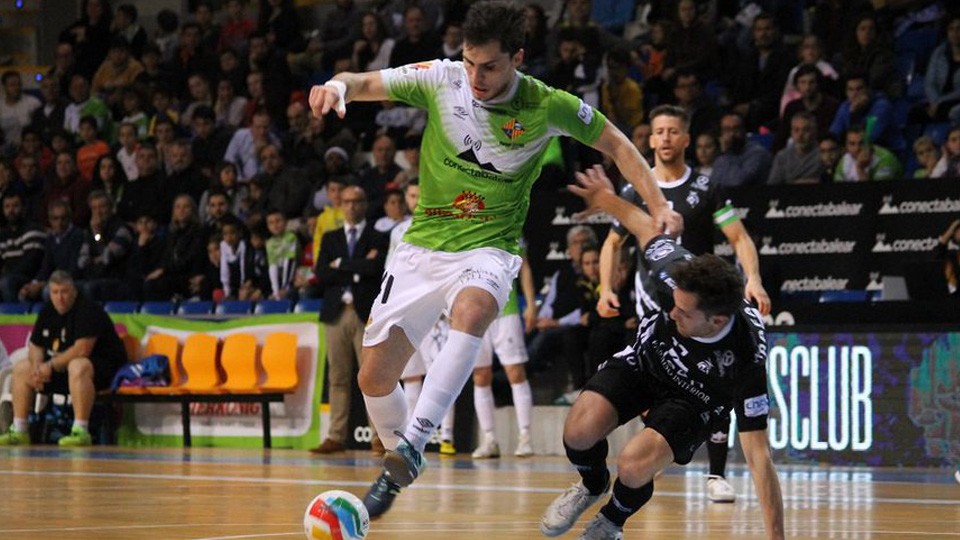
[[715, 374]]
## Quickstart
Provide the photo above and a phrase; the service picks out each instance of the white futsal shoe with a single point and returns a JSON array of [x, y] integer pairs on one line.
[[601, 528], [719, 490], [524, 447], [565, 509], [488, 449]]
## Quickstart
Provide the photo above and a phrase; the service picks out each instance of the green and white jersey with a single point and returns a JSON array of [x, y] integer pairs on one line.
[[479, 159]]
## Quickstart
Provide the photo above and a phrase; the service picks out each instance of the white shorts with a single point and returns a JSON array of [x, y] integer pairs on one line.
[[505, 337], [420, 284], [426, 354]]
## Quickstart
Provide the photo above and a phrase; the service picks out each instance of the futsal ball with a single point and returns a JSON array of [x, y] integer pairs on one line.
[[336, 515]]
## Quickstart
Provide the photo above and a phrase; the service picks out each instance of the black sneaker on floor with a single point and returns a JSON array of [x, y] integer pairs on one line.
[[380, 497]]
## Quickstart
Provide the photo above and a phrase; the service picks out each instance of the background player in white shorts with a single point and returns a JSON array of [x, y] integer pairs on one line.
[[488, 127]]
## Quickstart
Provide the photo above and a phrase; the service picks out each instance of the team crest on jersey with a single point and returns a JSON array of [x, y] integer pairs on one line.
[[513, 129]]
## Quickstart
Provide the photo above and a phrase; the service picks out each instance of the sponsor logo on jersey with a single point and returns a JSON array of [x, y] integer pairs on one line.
[[702, 183], [470, 154], [756, 406], [660, 249], [936, 206], [513, 129], [460, 112], [827, 209], [585, 113], [903, 245], [467, 205]]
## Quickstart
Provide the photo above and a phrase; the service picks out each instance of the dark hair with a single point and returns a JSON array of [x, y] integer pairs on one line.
[[10, 194], [673, 111], [89, 120], [205, 112], [764, 16], [129, 10], [7, 75], [168, 21], [857, 76], [807, 69], [493, 20], [829, 137], [805, 115], [716, 283]]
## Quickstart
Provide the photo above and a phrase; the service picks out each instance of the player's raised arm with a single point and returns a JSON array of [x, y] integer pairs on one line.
[[635, 169], [344, 88], [756, 450], [595, 189]]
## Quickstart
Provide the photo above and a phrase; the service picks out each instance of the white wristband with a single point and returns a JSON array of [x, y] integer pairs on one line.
[[341, 106]]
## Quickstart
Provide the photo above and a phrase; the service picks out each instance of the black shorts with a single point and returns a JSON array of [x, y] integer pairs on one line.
[[59, 382], [680, 422]]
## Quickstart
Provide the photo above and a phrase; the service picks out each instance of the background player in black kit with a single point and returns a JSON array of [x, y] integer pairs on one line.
[[700, 350], [703, 207]]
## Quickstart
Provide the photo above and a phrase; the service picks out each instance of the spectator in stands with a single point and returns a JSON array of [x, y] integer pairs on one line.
[[288, 191], [229, 107], [278, 21], [535, 61], [188, 58], [706, 154], [200, 96], [61, 250], [236, 264], [218, 214], [799, 162], [451, 45], [225, 181], [246, 144], [127, 153], [276, 80], [692, 44], [167, 35], [949, 164], [163, 110], [341, 31], [808, 80], [349, 267], [395, 210], [577, 330], [385, 171], [180, 271], [651, 58], [578, 20], [125, 25], [210, 287], [16, 109], [373, 46], [106, 248], [91, 148], [864, 161], [31, 144], [74, 350], [942, 79], [574, 71], [741, 162], [871, 53], [6, 183], [419, 43], [927, 157], [255, 206], [21, 248], [118, 71], [50, 116], [237, 27], [331, 218], [154, 73], [90, 36], [828, 148], [640, 136], [184, 176], [950, 257], [145, 255], [621, 98], [232, 70], [65, 185], [84, 105], [703, 113], [759, 76], [810, 53], [864, 107], [109, 177], [146, 193], [393, 13], [209, 30], [209, 142], [132, 104], [283, 251], [298, 148], [30, 184], [64, 67]]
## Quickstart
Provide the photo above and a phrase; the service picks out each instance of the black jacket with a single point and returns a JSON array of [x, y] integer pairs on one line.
[[361, 272]]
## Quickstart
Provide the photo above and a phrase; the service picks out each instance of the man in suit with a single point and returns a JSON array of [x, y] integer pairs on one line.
[[349, 267]]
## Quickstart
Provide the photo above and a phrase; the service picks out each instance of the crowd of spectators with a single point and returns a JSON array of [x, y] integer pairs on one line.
[[184, 162]]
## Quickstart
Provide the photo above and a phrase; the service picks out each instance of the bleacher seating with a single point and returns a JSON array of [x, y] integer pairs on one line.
[[158, 308], [309, 305], [14, 308], [120, 307], [195, 307], [234, 307], [266, 307]]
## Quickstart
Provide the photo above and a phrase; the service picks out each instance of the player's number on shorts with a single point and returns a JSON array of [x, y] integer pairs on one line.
[[385, 285]]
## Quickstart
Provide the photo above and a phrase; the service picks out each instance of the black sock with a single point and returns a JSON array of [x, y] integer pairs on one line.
[[592, 465], [718, 457], [626, 501]]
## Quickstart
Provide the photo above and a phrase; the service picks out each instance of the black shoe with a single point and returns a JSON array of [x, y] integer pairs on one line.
[[380, 497]]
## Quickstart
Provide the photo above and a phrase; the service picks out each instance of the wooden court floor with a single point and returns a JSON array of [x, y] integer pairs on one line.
[[114, 493]]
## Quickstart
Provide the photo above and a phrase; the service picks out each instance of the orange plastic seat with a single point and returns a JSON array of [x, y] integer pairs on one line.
[[279, 360], [200, 365], [239, 360], [164, 344]]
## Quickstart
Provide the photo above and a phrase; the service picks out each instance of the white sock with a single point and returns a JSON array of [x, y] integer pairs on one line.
[[411, 392], [484, 405], [20, 425], [446, 427], [445, 380], [523, 404], [388, 414], [82, 424]]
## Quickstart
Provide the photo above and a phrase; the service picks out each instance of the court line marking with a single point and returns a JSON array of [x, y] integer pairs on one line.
[[456, 487]]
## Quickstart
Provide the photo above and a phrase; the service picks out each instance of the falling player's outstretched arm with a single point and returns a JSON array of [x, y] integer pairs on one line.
[[635, 169], [756, 450], [344, 88], [595, 189]]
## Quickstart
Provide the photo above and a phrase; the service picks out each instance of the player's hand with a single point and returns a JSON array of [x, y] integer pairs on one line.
[[754, 292], [530, 318], [669, 222], [608, 305], [323, 99], [592, 185]]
